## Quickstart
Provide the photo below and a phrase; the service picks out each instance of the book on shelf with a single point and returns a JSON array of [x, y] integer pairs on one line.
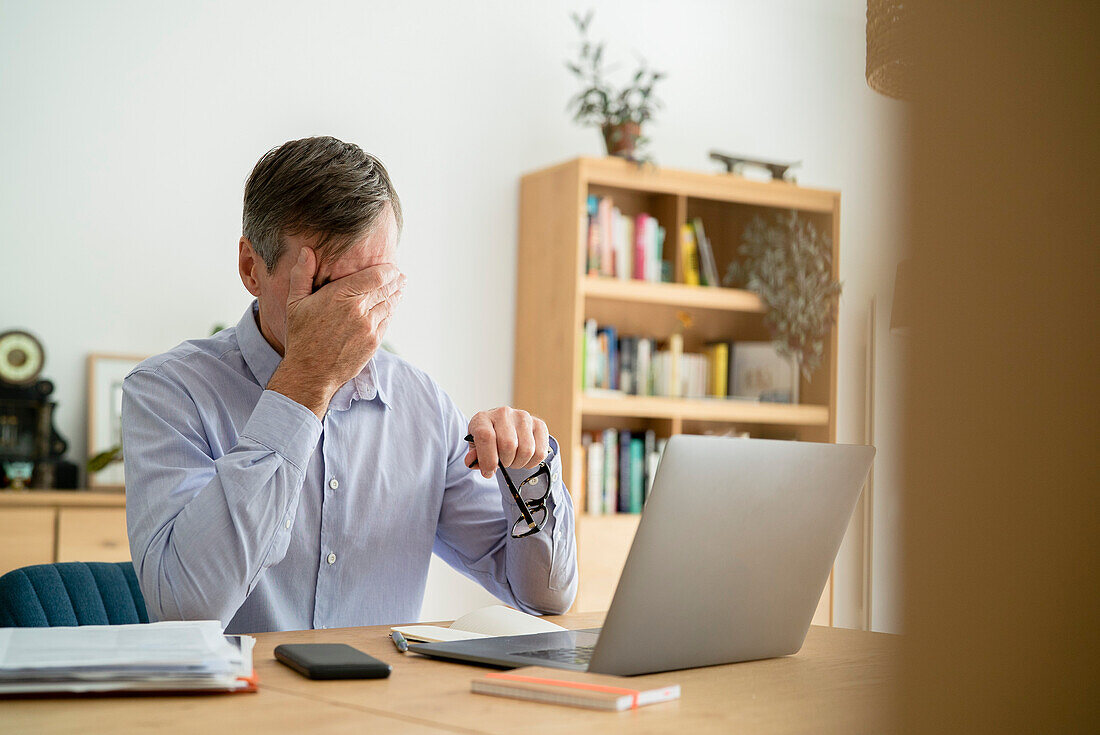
[[593, 484], [689, 255], [607, 244], [708, 268], [623, 245], [675, 360], [654, 448], [718, 354], [628, 369], [625, 468], [590, 356], [592, 265], [610, 481], [643, 379], [636, 473], [619, 469], [639, 228], [605, 356]]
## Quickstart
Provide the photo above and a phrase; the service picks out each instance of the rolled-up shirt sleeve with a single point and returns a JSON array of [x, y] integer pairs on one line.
[[203, 528], [536, 574]]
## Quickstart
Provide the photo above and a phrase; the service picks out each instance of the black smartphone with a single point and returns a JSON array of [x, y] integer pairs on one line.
[[331, 661]]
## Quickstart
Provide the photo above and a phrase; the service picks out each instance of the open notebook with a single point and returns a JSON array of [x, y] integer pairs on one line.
[[488, 622]]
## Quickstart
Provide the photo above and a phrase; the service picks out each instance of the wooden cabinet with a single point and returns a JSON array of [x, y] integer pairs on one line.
[[555, 296], [92, 534], [26, 537], [42, 527]]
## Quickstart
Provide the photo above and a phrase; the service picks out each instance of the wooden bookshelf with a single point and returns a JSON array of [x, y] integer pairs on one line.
[[671, 294], [729, 411], [555, 297]]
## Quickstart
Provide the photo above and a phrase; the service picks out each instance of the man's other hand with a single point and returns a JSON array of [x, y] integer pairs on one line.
[[514, 437]]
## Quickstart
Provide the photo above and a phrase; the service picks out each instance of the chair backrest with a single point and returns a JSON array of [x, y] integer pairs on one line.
[[71, 593]]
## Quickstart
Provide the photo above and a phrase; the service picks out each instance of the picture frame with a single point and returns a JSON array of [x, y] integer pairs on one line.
[[105, 375], [760, 373]]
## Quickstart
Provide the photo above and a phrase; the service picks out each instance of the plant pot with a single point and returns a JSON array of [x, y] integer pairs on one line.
[[622, 138]]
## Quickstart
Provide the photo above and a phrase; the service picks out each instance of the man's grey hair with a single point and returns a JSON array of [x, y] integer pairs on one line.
[[317, 186]]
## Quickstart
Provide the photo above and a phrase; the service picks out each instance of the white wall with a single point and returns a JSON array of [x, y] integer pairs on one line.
[[130, 127]]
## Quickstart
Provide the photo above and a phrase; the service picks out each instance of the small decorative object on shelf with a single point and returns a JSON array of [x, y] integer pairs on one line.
[[30, 447], [619, 114], [762, 373], [788, 262], [736, 164]]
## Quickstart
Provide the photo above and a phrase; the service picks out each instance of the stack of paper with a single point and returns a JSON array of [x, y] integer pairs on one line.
[[169, 656]]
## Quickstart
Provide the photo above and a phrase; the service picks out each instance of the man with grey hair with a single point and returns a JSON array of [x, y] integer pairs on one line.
[[286, 473]]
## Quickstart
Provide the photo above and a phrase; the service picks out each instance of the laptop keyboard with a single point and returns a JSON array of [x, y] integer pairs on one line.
[[574, 655]]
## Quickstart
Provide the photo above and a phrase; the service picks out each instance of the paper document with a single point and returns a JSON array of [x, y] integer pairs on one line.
[[488, 622], [182, 655]]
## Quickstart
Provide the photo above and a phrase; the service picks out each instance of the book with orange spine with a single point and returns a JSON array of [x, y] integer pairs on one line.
[[574, 688]]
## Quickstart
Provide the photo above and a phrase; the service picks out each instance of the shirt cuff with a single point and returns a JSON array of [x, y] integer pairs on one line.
[[285, 427]]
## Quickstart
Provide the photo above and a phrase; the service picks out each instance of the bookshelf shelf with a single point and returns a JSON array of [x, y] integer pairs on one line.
[[672, 294], [555, 296], [729, 410]]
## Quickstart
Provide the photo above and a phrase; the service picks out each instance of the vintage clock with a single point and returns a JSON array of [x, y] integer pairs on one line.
[[30, 447]]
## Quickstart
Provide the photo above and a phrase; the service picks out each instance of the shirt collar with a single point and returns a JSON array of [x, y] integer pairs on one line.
[[262, 360], [261, 357]]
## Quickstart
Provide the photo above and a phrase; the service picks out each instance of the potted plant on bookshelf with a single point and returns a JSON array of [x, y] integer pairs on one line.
[[618, 113], [788, 263]]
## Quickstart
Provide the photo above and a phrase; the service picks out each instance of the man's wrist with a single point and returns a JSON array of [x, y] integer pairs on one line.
[[302, 386]]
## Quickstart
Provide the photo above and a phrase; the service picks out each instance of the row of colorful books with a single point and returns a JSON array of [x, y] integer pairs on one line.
[[619, 469], [624, 246], [643, 366]]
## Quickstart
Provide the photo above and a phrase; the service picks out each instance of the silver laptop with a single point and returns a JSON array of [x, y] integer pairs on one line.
[[729, 561]]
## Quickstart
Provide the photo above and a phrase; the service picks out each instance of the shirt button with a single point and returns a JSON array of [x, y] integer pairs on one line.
[[334, 483], [331, 558], [287, 524]]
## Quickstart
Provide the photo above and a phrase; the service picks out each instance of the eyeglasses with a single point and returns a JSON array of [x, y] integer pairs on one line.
[[530, 497]]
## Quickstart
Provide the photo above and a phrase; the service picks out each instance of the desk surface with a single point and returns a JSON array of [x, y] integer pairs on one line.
[[841, 681]]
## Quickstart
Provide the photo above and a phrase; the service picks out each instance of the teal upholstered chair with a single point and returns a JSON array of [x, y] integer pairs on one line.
[[71, 593]]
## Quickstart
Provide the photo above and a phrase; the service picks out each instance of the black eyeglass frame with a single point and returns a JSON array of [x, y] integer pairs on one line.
[[528, 508]]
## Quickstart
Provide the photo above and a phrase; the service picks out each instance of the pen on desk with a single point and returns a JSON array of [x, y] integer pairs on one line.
[[399, 641]]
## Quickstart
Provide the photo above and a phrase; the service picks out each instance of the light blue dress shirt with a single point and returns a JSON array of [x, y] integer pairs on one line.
[[242, 506]]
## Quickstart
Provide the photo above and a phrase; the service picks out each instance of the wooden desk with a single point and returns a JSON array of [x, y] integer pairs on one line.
[[841, 681]]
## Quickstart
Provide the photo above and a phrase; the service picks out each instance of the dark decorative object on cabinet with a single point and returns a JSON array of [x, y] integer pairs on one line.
[[30, 446]]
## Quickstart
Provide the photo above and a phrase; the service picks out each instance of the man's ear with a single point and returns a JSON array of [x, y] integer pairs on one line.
[[248, 263]]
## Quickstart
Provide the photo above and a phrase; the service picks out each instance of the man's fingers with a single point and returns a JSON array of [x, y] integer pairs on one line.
[[367, 280], [525, 438], [542, 442], [485, 444], [383, 309], [507, 438], [388, 292], [301, 276]]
